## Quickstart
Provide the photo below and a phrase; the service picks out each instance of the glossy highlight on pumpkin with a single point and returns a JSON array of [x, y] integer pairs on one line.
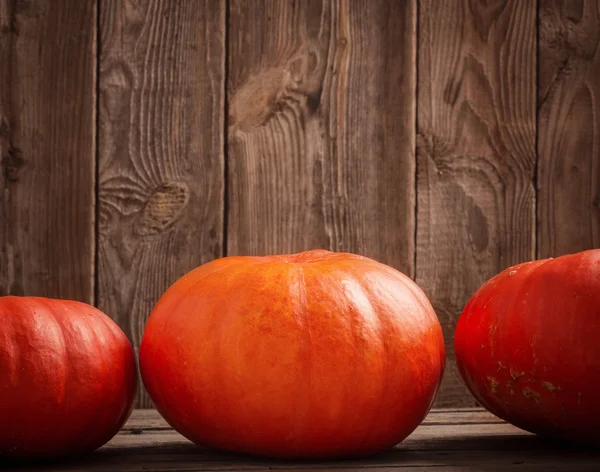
[[528, 346], [67, 377], [316, 354]]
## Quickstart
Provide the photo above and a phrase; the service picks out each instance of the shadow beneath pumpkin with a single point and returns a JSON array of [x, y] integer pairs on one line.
[[466, 452], [494, 442]]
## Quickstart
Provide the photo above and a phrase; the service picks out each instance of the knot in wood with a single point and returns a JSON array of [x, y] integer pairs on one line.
[[164, 207], [12, 163]]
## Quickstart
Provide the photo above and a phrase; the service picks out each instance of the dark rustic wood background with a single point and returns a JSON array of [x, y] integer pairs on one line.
[[139, 139]]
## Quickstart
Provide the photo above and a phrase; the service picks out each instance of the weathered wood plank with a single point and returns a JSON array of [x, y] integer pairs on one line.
[[321, 127], [151, 420], [478, 416], [475, 153], [47, 148], [569, 127], [160, 150], [456, 446], [492, 438]]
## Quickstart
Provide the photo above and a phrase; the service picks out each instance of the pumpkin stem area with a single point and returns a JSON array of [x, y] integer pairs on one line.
[[314, 255]]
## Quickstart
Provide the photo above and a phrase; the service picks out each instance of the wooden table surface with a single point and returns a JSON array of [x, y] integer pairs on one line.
[[448, 440]]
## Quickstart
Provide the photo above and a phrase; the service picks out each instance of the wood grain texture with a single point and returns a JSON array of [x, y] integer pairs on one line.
[[47, 145], [149, 419], [569, 127], [160, 150], [321, 127], [453, 446], [475, 153]]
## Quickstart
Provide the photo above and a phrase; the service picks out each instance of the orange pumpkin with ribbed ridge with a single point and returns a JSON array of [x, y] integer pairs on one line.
[[312, 355], [67, 377]]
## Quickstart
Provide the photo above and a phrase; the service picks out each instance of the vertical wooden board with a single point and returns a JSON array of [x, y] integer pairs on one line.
[[475, 153], [321, 127], [161, 168], [568, 127], [47, 133]]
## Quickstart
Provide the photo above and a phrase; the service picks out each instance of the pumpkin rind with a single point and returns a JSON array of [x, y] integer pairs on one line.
[[316, 354], [528, 346], [67, 377]]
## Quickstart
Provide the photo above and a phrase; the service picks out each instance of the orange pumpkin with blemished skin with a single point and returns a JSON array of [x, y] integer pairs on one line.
[[317, 354], [528, 346], [67, 377]]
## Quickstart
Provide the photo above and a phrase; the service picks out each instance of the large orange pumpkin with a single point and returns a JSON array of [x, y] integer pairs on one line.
[[317, 354], [67, 377], [528, 346]]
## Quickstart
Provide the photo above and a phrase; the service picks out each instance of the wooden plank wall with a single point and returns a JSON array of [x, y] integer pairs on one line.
[[321, 128], [476, 152], [139, 139], [568, 178], [160, 153], [47, 148]]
